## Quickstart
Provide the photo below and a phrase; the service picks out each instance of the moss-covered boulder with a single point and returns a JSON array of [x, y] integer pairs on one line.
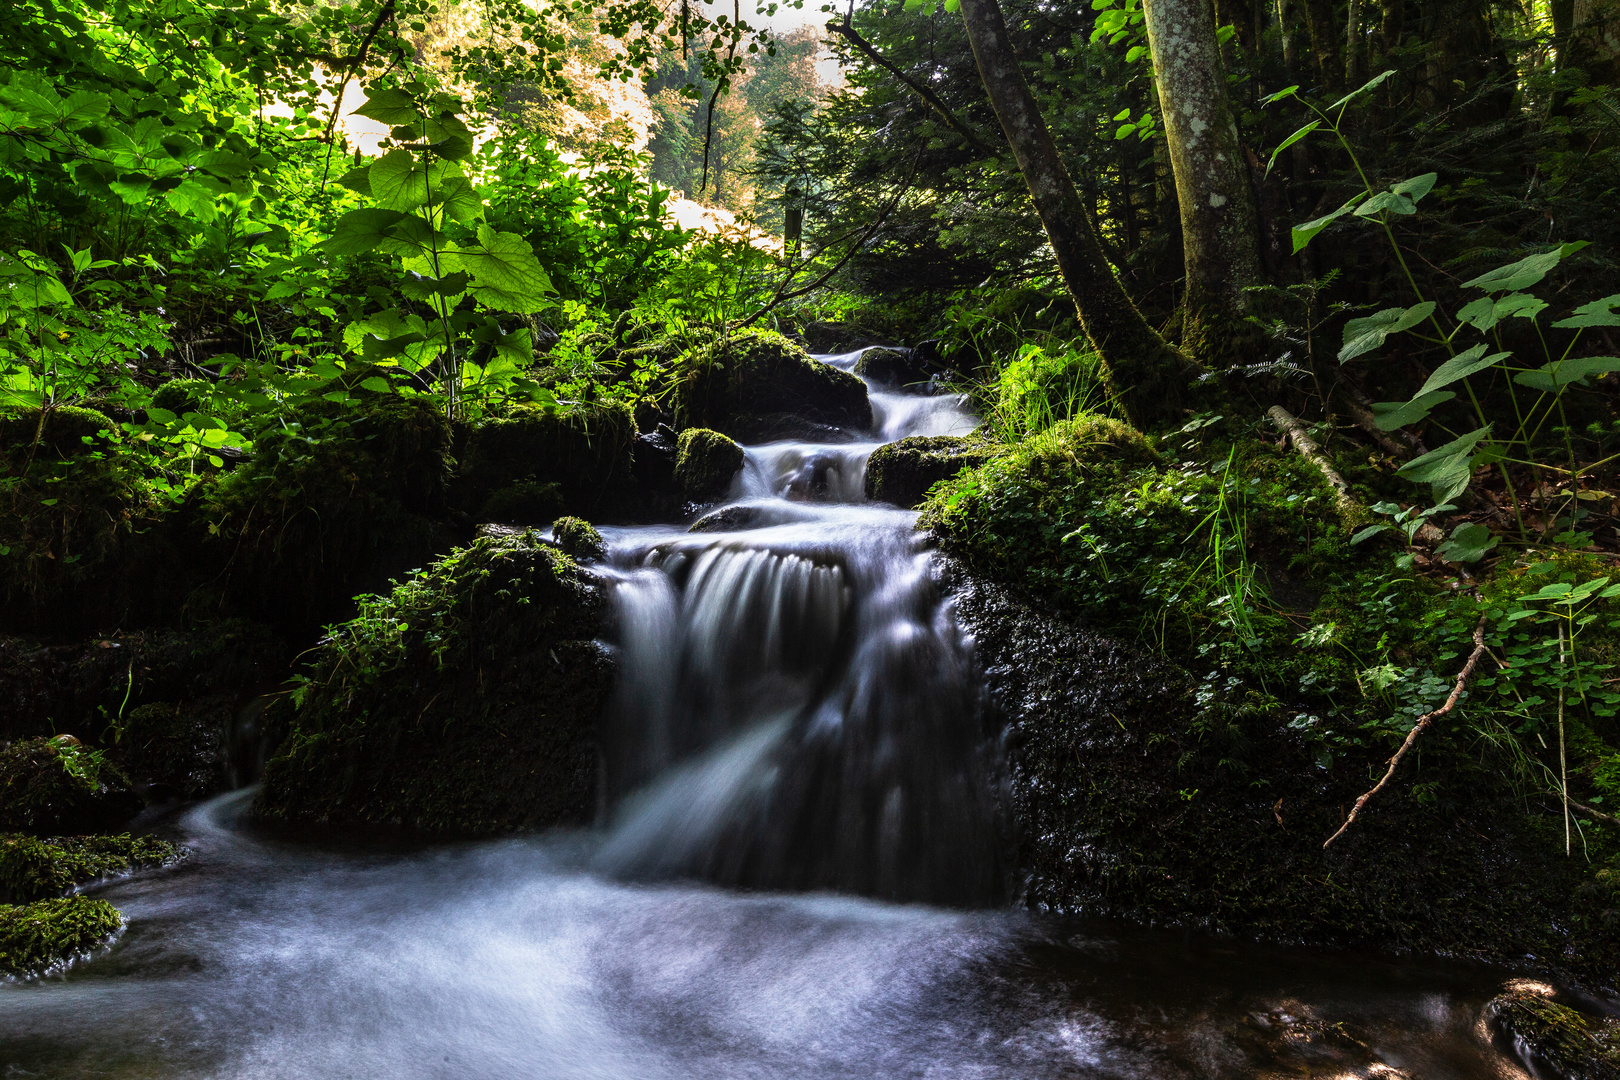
[[178, 750], [467, 701], [578, 538], [338, 499], [525, 467], [59, 785], [1556, 1039], [902, 472], [705, 462], [891, 368], [48, 935], [35, 869], [758, 385], [65, 431]]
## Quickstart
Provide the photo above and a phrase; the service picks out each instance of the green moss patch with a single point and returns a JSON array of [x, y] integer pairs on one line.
[[466, 701], [35, 869], [61, 786], [759, 385], [48, 935], [705, 462], [578, 538], [902, 472], [1572, 1044], [523, 467]]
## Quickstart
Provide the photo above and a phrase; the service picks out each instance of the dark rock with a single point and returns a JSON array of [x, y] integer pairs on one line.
[[524, 502], [892, 368], [729, 519], [705, 463], [59, 785], [578, 461], [755, 428], [655, 456], [178, 750], [735, 386], [480, 718], [902, 472], [1555, 1039], [48, 935], [578, 538]]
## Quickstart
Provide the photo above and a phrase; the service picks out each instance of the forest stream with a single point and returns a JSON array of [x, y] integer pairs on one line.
[[800, 874]]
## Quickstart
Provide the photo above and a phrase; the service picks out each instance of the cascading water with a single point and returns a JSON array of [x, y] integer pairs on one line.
[[797, 708], [797, 712]]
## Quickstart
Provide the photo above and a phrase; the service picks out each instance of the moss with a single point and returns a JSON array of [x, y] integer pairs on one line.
[[587, 452], [33, 869], [1573, 1045], [890, 367], [177, 749], [181, 396], [738, 386], [578, 538], [902, 472], [339, 497], [466, 701], [48, 935], [59, 785], [66, 431], [705, 462]]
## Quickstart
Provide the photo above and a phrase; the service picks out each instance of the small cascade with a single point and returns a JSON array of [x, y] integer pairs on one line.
[[797, 708]]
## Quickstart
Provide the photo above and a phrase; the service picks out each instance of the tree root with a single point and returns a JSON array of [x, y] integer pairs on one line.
[[1417, 729]]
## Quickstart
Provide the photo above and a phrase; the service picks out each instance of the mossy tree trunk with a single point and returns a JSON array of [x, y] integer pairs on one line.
[[1149, 375], [1595, 40], [1220, 238]]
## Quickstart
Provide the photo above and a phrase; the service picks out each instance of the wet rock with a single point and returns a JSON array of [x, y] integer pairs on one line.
[[744, 385], [729, 519], [465, 702], [33, 869], [655, 457], [59, 785], [178, 750], [48, 935], [578, 538], [755, 428], [1555, 1039], [893, 368], [585, 455], [705, 463], [523, 502], [902, 472], [66, 431]]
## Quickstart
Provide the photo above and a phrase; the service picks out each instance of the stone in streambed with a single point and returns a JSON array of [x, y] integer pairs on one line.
[[578, 538], [892, 368], [59, 785], [902, 472], [1555, 1038], [750, 386], [48, 935], [705, 462], [34, 869]]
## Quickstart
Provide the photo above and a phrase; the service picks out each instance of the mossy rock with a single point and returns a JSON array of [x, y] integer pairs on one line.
[[480, 718], [902, 472], [585, 454], [705, 462], [578, 538], [177, 750], [48, 935], [1556, 1038], [336, 501], [181, 396], [890, 367], [67, 431], [34, 869], [58, 785], [744, 385]]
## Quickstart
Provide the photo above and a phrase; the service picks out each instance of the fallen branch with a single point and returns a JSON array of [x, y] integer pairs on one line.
[[1417, 729], [1289, 424]]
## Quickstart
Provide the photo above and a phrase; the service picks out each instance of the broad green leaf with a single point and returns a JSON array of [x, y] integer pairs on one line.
[[447, 136], [375, 348], [505, 274], [459, 199], [952, 6], [1447, 469], [389, 106], [1417, 187], [1469, 542], [1524, 273], [1485, 313], [1391, 415], [413, 237], [1287, 91], [398, 182], [418, 286], [192, 199], [1125, 131], [1550, 378], [1392, 201], [1290, 141], [1461, 366], [1365, 335], [1365, 87], [1304, 234], [1135, 53], [360, 231], [1597, 313], [357, 179], [82, 107], [1368, 533]]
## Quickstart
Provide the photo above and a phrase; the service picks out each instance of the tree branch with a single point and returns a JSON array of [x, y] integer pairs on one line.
[[1287, 423], [1417, 729]]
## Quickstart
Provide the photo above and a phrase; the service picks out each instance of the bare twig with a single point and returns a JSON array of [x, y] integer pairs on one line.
[[349, 72], [1581, 808], [848, 32], [1289, 424], [1417, 729]]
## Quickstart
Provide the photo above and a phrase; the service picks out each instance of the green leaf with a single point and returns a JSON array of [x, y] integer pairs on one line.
[[389, 106], [398, 182], [375, 348], [360, 231], [952, 6], [1518, 275], [1447, 469], [1290, 141], [420, 286], [1469, 542], [1461, 366], [1391, 415], [1369, 532], [1304, 234], [1365, 87], [376, 384], [358, 179], [1125, 130], [1386, 200], [1135, 53], [1597, 313], [1485, 313], [1417, 187], [1364, 335], [1550, 378], [1285, 92], [505, 274]]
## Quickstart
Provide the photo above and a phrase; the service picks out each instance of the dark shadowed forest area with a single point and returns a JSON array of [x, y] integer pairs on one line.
[[1244, 378]]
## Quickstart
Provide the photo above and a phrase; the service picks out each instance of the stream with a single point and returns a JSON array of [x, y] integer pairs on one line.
[[800, 874]]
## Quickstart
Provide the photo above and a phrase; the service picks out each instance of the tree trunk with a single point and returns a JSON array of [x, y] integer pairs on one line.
[[1595, 40], [1149, 376], [1219, 225]]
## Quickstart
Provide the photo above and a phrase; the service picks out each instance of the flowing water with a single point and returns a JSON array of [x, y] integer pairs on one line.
[[799, 874]]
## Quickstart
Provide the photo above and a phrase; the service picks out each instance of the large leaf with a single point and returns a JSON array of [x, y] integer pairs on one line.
[[1597, 313], [1390, 415], [1417, 187], [1524, 273], [505, 274], [1290, 141], [1393, 201], [1365, 335], [1461, 366], [1486, 312], [1304, 234], [1550, 378], [1365, 88], [398, 181], [1447, 469], [360, 231], [389, 106], [1469, 542]]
